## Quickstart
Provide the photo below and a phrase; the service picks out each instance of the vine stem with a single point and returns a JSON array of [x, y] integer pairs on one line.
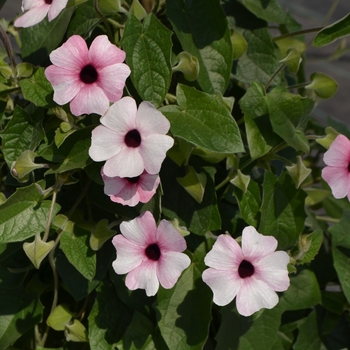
[[299, 32], [49, 221], [274, 76], [327, 219], [108, 28]]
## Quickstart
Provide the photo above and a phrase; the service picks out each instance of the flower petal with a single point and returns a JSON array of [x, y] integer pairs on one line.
[[113, 185], [103, 53], [338, 180], [255, 245], [28, 4], [90, 99], [273, 271], [129, 255], [141, 230], [56, 7], [111, 80], [72, 55], [153, 151], [103, 145], [225, 255], [170, 267], [128, 195], [169, 239], [127, 163], [151, 121], [255, 295], [339, 152], [147, 186], [145, 277], [33, 16], [224, 285], [120, 116]]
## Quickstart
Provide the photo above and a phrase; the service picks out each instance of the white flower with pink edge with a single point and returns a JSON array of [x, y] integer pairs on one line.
[[131, 140], [87, 78], [252, 273], [150, 255]]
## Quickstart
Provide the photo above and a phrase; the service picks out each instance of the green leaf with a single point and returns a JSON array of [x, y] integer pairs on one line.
[[203, 32], [75, 245], [148, 48], [24, 214], [38, 89], [37, 250], [341, 251], [323, 85], [269, 10], [309, 337], [59, 317], [197, 217], [73, 153], [282, 210], [333, 32], [22, 133], [298, 172], [38, 41], [260, 60], [326, 141], [237, 332], [288, 115], [24, 166], [302, 293], [84, 20], [108, 319], [100, 234], [19, 314], [292, 60], [260, 135], [249, 203], [76, 332], [202, 120], [194, 183], [184, 312], [241, 181], [308, 246], [239, 44]]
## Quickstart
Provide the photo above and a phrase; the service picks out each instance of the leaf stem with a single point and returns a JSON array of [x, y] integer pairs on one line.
[[299, 32], [108, 28], [49, 220], [274, 76], [327, 219]]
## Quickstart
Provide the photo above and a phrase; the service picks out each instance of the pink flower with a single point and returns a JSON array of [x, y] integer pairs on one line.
[[252, 273], [131, 140], [37, 10], [131, 190], [87, 78], [337, 173], [149, 255]]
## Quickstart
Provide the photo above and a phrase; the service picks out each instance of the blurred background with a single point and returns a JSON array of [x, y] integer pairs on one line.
[[310, 14]]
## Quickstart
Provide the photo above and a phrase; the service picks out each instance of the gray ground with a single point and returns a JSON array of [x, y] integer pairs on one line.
[[310, 13]]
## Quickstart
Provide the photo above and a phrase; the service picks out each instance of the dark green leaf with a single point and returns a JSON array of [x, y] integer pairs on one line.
[[184, 312], [341, 251], [282, 210], [260, 61], [203, 32], [260, 135], [108, 319], [202, 120], [18, 315], [75, 245], [333, 32], [38, 41], [148, 48], [302, 293], [37, 89], [269, 10], [21, 134], [24, 214], [289, 114]]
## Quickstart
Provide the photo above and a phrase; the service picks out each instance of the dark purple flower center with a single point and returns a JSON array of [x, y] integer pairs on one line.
[[133, 180], [48, 2], [88, 74], [133, 138], [245, 269], [349, 167], [153, 252]]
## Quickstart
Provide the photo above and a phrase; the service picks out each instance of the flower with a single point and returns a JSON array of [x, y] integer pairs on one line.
[[131, 190], [149, 255], [37, 10], [131, 140], [337, 173], [252, 273], [87, 78]]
